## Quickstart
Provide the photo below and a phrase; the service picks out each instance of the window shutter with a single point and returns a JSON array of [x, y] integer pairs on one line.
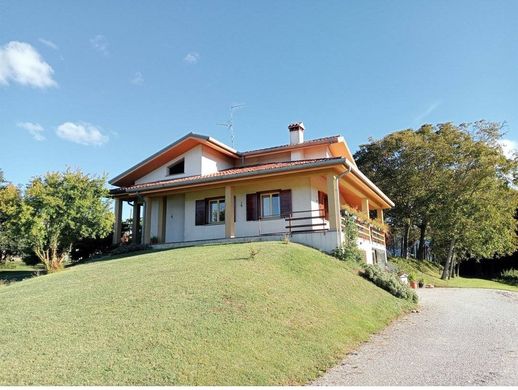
[[323, 204], [251, 207], [201, 212], [285, 203]]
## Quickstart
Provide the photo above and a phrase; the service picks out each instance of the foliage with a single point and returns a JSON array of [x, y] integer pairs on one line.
[[11, 243], [348, 251], [389, 282], [510, 276], [61, 208], [123, 249], [358, 215], [153, 318], [91, 246], [454, 183]]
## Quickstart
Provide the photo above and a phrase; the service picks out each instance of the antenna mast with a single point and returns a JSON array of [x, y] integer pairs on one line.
[[230, 123]]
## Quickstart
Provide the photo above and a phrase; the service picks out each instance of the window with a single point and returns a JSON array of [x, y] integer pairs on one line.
[[216, 210], [270, 205], [177, 168]]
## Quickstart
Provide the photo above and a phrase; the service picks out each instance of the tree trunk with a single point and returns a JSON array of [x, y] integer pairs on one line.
[[457, 270], [446, 271], [422, 234], [452, 268], [402, 250], [406, 236]]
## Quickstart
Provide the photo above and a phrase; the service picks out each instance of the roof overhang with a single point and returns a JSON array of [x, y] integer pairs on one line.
[[168, 153], [197, 181], [369, 184], [339, 164]]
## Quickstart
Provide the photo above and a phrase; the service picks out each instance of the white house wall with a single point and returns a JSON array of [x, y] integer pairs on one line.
[[212, 161], [300, 200], [193, 166]]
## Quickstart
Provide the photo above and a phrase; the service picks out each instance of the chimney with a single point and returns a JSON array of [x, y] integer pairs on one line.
[[296, 133]]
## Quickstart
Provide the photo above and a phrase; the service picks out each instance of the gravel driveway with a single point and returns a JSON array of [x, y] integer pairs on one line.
[[459, 337]]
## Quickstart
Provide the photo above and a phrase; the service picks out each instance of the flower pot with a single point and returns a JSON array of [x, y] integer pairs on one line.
[[421, 285], [413, 284]]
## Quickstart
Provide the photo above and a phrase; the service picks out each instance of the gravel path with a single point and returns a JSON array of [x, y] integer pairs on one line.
[[459, 337]]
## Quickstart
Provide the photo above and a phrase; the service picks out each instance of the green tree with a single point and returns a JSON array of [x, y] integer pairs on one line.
[[453, 182], [61, 208], [10, 206], [473, 196]]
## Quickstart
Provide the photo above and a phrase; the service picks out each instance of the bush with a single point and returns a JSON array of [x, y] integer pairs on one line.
[[510, 276], [123, 249], [348, 251], [389, 282]]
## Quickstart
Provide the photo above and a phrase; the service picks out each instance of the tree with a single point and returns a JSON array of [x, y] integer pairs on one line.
[[10, 206], [400, 166], [62, 208], [452, 182], [474, 201]]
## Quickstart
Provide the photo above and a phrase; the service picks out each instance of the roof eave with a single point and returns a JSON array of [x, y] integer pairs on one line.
[[212, 179], [163, 150]]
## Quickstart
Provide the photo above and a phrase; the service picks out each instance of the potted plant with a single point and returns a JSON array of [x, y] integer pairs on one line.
[[411, 280], [421, 283]]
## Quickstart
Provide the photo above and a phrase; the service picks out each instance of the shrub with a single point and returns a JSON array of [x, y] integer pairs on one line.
[[510, 276], [123, 249], [389, 282], [348, 251]]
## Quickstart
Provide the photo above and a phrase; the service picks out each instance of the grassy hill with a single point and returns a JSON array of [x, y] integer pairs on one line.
[[202, 315], [431, 273]]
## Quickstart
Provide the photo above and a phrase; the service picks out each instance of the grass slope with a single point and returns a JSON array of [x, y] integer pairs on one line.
[[431, 273], [203, 315]]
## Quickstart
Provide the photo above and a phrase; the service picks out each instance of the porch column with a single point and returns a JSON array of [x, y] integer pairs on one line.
[[147, 220], [162, 205], [230, 226], [365, 207], [381, 217], [136, 221], [333, 199], [117, 225]]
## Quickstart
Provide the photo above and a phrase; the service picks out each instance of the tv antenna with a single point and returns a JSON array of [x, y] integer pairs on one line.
[[230, 123]]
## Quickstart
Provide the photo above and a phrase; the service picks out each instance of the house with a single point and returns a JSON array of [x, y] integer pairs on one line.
[[199, 189]]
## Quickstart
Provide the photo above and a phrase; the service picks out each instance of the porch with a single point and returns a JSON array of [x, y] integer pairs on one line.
[[306, 207]]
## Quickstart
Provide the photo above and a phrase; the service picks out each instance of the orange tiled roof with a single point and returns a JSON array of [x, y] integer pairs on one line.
[[253, 169], [305, 143]]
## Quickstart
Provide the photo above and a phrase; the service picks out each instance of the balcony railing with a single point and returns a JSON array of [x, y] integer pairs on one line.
[[305, 221], [369, 232]]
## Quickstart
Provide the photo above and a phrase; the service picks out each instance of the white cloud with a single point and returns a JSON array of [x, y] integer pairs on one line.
[[100, 43], [431, 108], [81, 133], [192, 58], [21, 63], [138, 79], [48, 43], [34, 129], [509, 147]]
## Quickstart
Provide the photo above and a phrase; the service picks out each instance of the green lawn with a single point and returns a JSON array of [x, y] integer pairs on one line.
[[431, 273], [202, 315]]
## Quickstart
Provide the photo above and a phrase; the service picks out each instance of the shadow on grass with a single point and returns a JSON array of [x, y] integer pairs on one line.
[[10, 276]]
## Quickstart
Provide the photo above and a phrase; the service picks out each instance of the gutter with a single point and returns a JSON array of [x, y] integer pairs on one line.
[[209, 179]]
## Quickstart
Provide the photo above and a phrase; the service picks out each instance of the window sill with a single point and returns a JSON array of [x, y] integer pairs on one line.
[[272, 218]]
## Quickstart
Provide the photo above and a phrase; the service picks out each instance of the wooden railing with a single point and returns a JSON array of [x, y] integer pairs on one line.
[[305, 221], [368, 232]]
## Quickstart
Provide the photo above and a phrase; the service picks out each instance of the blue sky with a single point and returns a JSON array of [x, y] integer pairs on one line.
[[100, 85]]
